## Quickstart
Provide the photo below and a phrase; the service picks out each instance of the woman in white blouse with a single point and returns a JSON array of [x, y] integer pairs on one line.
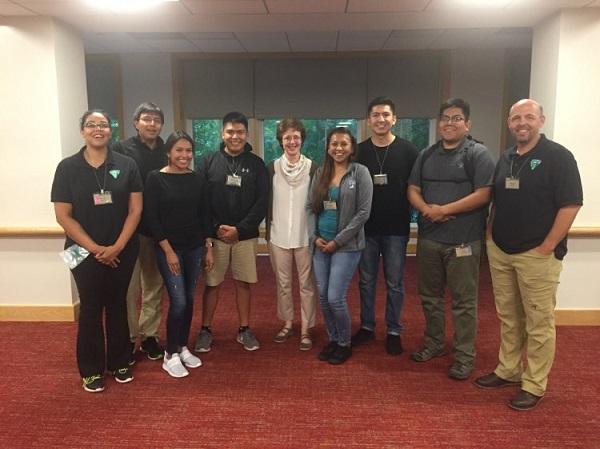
[[287, 231]]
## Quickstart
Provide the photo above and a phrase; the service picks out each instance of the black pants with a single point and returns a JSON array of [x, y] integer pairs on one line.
[[103, 289]]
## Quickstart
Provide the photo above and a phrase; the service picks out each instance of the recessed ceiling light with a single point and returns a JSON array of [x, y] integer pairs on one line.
[[118, 6]]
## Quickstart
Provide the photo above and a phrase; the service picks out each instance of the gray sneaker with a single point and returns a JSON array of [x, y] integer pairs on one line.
[[248, 339], [204, 341]]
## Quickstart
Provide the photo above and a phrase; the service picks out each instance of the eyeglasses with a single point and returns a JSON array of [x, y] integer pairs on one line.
[[291, 138], [453, 119], [147, 119], [92, 125]]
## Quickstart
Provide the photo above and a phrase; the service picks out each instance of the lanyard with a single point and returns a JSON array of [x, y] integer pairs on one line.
[[233, 166], [380, 163], [516, 175], [103, 186]]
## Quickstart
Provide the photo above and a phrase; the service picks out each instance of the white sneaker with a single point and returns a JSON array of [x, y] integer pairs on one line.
[[173, 366], [189, 359]]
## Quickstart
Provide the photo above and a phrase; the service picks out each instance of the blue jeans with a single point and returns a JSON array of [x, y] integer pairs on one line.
[[181, 289], [393, 250], [333, 273]]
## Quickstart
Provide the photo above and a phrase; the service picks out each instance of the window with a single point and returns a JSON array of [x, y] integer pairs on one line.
[[114, 127], [314, 143], [415, 130], [207, 137]]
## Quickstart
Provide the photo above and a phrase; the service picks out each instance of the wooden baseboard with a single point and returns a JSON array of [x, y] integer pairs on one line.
[[577, 317], [39, 313]]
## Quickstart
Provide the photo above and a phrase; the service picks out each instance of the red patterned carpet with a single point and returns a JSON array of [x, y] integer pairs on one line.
[[279, 397]]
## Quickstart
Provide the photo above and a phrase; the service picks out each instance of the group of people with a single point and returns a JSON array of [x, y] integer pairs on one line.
[[328, 221]]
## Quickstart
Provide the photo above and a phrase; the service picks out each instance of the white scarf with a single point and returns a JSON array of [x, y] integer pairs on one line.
[[293, 173]]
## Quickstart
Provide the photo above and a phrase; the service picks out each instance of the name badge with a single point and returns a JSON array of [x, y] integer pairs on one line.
[[511, 184], [463, 251], [380, 179], [234, 181], [102, 198], [329, 205]]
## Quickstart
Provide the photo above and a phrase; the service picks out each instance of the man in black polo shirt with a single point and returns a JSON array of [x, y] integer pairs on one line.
[[389, 160], [146, 148], [450, 185], [537, 194]]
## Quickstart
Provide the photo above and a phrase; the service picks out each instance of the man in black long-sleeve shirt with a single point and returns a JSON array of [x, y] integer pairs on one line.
[[238, 193], [147, 150]]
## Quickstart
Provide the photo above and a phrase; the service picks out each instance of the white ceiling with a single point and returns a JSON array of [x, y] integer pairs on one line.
[[288, 26]]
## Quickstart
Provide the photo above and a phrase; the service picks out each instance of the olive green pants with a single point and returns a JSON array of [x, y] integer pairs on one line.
[[438, 266], [525, 291]]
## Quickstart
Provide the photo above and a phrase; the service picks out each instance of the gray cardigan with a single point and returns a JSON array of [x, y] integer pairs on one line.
[[353, 206]]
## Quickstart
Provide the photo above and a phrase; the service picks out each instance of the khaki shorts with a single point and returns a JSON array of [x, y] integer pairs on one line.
[[243, 262]]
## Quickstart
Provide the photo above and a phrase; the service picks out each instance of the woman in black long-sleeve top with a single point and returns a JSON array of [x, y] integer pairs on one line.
[[175, 209]]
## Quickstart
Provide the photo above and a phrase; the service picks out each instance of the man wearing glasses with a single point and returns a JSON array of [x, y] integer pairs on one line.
[[146, 149], [450, 185]]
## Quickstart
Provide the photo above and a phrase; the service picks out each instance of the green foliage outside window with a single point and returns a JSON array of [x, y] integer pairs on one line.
[[314, 142], [415, 130], [114, 127], [207, 137]]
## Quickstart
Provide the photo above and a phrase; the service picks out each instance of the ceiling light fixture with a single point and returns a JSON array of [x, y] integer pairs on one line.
[[123, 6]]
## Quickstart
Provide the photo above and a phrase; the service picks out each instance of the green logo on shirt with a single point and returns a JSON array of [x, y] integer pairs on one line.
[[534, 163], [115, 173]]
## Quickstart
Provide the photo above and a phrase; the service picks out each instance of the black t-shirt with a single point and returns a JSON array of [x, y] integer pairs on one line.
[[76, 181], [147, 160], [548, 180], [176, 208], [390, 209]]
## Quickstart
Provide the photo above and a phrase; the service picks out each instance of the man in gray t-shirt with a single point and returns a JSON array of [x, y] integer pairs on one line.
[[450, 185]]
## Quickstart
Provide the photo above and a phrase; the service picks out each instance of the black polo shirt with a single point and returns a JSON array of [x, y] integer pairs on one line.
[[548, 180], [147, 160], [390, 209], [75, 182]]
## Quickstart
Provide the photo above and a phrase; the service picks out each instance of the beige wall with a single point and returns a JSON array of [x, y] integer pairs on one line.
[[565, 76], [42, 92]]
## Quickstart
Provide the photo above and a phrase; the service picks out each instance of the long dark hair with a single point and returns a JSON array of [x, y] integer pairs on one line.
[[321, 189]]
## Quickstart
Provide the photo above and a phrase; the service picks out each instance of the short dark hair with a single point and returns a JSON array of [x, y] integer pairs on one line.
[[86, 114], [148, 107], [377, 101], [176, 136], [456, 103], [290, 123], [235, 117]]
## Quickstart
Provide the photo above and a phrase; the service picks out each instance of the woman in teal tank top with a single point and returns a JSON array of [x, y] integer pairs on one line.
[[341, 200]]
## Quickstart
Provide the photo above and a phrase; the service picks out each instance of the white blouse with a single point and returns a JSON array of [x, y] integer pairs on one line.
[[289, 226]]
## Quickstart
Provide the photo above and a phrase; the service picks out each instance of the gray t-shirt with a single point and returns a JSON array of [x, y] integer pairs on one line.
[[444, 180]]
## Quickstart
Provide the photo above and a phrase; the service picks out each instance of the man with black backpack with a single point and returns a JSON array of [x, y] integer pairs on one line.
[[450, 185]]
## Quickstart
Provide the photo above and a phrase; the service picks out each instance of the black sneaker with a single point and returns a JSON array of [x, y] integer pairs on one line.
[[93, 384], [132, 353], [362, 336], [393, 344], [152, 349], [340, 355], [327, 351], [123, 375]]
